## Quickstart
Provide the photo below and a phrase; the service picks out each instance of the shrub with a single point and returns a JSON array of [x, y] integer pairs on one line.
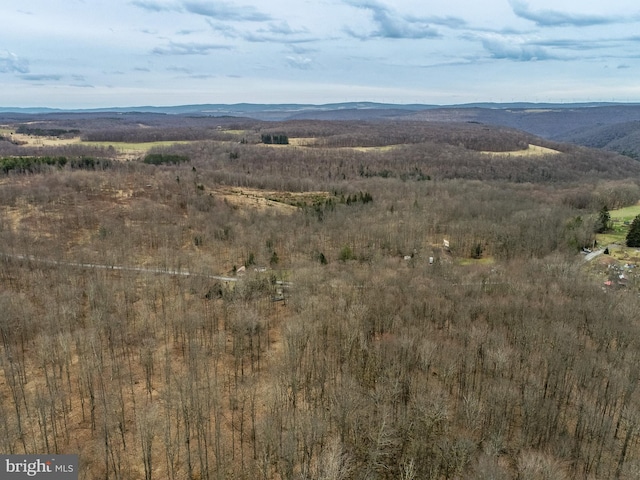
[[346, 254]]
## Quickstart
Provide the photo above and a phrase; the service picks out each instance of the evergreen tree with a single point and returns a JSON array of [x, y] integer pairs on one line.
[[603, 224], [633, 237]]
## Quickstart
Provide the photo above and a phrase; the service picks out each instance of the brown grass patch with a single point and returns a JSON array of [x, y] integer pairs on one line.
[[39, 141], [532, 151], [302, 141], [269, 200]]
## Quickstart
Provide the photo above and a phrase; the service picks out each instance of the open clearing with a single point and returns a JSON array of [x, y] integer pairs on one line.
[[132, 150], [283, 202], [621, 219], [36, 141], [626, 214], [317, 143], [302, 141], [384, 148], [532, 151], [252, 198], [125, 149]]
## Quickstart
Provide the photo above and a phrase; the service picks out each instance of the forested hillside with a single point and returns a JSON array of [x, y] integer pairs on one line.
[[623, 138], [367, 300]]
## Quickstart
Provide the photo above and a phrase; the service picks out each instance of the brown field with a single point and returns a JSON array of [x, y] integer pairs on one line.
[[532, 151], [36, 141], [282, 202]]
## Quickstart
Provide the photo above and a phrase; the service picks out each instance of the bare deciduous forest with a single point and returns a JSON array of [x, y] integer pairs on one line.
[[348, 341]]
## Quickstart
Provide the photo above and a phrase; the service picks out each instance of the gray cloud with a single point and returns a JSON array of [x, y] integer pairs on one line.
[[279, 32], [521, 52], [225, 11], [554, 18], [450, 22], [275, 37], [202, 77], [223, 29], [283, 28], [217, 10], [391, 24], [300, 49], [154, 6], [41, 78], [175, 48], [589, 48], [11, 63], [569, 44], [299, 62], [183, 70]]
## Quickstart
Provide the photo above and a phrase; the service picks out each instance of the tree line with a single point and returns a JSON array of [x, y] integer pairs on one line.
[[22, 165], [47, 132], [275, 139]]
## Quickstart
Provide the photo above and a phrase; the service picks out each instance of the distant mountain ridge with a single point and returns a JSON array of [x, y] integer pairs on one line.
[[251, 110], [288, 109], [609, 125]]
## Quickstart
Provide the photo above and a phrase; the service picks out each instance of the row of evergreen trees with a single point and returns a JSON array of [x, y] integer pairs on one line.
[[275, 139], [47, 132], [165, 159], [39, 164]]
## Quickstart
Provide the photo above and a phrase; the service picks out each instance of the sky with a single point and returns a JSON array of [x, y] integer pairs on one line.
[[121, 53]]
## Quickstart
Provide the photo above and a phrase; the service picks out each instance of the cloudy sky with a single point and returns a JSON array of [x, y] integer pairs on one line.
[[89, 53]]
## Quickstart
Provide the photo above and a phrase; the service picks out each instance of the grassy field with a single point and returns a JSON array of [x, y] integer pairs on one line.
[[313, 142], [236, 132], [384, 148], [532, 151], [302, 141], [33, 140], [626, 214], [611, 237], [134, 147], [621, 219], [131, 151], [127, 149]]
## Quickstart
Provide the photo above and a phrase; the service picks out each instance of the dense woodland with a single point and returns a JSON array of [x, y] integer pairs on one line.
[[355, 345]]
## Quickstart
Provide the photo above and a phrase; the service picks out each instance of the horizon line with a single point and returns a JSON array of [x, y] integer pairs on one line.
[[352, 104]]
